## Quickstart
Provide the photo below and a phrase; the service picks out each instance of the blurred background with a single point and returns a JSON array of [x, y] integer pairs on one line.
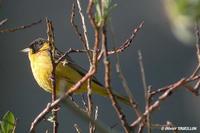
[[166, 58]]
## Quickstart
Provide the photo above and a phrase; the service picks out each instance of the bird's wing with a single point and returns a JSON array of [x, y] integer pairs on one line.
[[74, 65]]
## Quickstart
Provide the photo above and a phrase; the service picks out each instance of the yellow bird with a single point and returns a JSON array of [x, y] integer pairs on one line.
[[67, 73]]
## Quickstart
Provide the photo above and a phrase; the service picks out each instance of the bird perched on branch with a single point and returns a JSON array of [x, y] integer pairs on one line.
[[67, 72]]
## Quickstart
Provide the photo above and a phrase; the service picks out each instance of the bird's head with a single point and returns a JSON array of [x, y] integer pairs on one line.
[[36, 46]]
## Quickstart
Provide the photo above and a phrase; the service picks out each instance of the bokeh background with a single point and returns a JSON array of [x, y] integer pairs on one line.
[[165, 60]]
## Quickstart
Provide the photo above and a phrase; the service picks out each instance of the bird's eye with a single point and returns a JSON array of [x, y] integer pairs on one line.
[[37, 44]]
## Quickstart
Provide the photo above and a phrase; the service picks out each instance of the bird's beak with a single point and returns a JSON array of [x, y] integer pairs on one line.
[[26, 50]]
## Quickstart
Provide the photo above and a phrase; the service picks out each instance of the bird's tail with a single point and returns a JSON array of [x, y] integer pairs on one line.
[[100, 90]]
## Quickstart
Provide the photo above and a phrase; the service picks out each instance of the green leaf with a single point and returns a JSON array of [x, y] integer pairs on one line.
[[8, 123]]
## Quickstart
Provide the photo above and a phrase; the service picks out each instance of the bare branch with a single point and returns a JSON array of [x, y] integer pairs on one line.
[[91, 15], [86, 43], [20, 27], [50, 34], [76, 26], [126, 44], [146, 91], [115, 104]]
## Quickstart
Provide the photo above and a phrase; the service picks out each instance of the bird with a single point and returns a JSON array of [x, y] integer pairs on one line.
[[67, 72]]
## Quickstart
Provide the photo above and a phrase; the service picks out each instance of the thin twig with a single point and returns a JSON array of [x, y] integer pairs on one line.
[[197, 30], [101, 127], [2, 22], [93, 126], [146, 91], [76, 26], [126, 44], [132, 100], [90, 106], [86, 43], [20, 27], [91, 15]]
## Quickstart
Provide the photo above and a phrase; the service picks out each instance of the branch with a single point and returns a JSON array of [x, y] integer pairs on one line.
[[126, 44], [91, 15], [50, 35], [146, 92], [85, 37], [115, 104], [75, 26], [20, 27]]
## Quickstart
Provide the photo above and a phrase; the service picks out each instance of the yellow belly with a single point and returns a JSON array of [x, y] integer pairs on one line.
[[42, 74]]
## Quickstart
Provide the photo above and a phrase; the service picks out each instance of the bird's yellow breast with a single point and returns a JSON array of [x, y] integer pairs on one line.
[[42, 69]]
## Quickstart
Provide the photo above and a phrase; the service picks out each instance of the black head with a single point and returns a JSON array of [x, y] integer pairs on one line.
[[37, 44]]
